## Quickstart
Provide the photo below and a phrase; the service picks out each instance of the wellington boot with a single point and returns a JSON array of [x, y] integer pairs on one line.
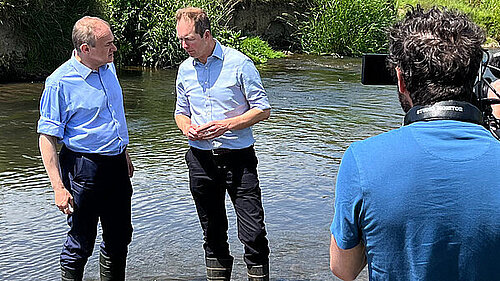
[[258, 272], [112, 269], [71, 274], [219, 269]]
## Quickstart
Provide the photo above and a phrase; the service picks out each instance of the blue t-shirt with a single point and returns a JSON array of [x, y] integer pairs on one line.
[[84, 109], [226, 86], [425, 201]]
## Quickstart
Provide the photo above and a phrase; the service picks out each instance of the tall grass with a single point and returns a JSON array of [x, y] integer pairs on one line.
[[146, 34], [346, 27], [486, 13]]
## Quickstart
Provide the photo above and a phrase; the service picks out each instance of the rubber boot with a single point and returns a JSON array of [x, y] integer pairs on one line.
[[71, 274], [111, 269], [219, 269], [258, 272]]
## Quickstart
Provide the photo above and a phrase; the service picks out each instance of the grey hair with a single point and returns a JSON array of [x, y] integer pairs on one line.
[[84, 31]]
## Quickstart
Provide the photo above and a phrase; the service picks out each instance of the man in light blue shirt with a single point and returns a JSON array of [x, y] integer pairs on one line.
[[82, 108], [219, 97]]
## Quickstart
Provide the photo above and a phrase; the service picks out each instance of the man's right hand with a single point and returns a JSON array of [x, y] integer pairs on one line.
[[63, 200], [192, 133], [188, 129]]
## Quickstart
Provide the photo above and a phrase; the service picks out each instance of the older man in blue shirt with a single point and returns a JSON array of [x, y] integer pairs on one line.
[[219, 97], [82, 108]]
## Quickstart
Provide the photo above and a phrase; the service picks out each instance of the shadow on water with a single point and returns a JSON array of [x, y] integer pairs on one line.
[[319, 108]]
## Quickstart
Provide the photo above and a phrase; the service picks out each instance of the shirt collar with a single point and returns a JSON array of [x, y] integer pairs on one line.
[[217, 53], [82, 69]]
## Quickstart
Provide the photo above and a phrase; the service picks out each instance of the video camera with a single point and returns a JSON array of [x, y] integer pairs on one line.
[[374, 71]]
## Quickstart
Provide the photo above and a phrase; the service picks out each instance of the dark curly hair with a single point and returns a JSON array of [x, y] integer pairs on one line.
[[438, 52]]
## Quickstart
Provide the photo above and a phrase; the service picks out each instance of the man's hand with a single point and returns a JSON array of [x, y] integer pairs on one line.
[[63, 200], [217, 128], [188, 129], [192, 133], [131, 168], [491, 95], [213, 129]]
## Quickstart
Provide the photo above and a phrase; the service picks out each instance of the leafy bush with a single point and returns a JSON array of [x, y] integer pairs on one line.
[[258, 50], [146, 34], [486, 13], [346, 27]]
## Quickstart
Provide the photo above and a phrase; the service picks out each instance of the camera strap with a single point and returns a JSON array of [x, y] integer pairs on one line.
[[445, 110]]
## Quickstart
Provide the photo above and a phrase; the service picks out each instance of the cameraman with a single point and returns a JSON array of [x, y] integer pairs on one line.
[[422, 202]]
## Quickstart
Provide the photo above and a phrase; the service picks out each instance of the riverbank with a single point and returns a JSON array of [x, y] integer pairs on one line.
[[37, 36]]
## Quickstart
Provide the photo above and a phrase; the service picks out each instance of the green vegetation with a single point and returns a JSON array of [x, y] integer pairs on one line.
[[145, 29], [40, 31], [146, 35], [352, 27], [46, 28], [346, 27], [486, 13], [258, 50]]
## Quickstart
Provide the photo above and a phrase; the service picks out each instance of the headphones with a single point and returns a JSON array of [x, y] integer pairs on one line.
[[445, 110]]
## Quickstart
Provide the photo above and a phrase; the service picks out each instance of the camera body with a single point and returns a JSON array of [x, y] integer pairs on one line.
[[374, 70]]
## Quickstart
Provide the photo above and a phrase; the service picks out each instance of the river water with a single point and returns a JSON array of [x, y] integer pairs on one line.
[[319, 108]]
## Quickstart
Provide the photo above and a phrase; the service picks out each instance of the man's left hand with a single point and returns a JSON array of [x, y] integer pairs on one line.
[[130, 165]]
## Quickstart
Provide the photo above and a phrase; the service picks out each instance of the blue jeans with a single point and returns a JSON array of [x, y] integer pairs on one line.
[[235, 171], [101, 190]]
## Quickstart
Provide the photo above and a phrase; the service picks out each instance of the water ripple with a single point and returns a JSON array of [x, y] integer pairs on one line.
[[319, 108]]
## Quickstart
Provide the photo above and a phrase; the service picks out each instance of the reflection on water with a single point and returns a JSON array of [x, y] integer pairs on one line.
[[319, 107]]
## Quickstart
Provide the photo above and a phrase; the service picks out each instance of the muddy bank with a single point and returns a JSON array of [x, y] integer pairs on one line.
[[271, 20], [13, 55]]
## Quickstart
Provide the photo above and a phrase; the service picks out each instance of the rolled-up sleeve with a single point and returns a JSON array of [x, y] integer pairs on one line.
[[252, 86], [53, 113], [348, 201], [182, 102]]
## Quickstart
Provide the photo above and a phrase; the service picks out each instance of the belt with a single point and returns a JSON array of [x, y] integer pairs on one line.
[[222, 151], [92, 156]]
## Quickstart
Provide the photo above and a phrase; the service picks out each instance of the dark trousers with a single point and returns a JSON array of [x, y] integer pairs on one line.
[[101, 189], [235, 171]]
